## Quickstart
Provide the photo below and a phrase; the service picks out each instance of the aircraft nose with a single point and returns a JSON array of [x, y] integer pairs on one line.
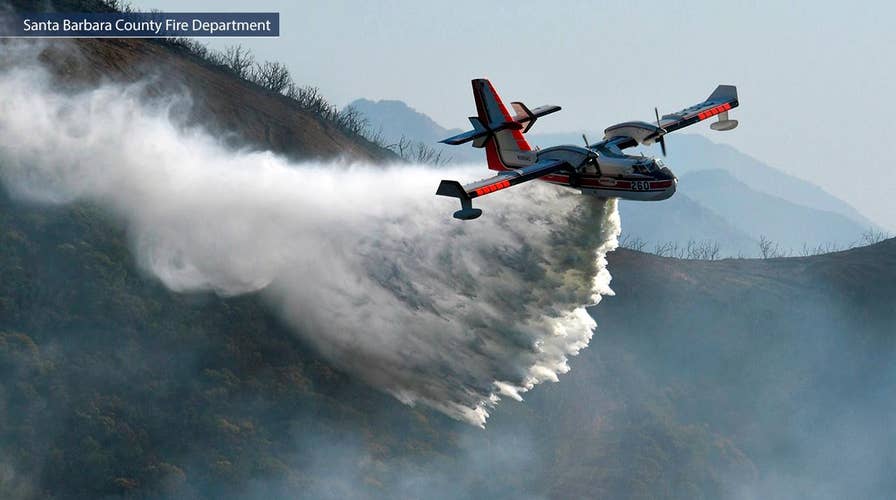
[[671, 189]]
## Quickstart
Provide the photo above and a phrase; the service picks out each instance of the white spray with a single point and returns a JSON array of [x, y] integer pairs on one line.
[[365, 262]]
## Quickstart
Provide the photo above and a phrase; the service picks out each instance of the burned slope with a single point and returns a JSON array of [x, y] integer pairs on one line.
[[789, 363], [235, 109], [239, 111], [112, 385], [705, 379]]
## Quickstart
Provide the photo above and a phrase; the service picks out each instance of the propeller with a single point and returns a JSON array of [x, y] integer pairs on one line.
[[661, 138]]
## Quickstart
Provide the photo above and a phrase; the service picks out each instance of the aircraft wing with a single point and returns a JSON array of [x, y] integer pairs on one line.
[[720, 101], [500, 181], [630, 134]]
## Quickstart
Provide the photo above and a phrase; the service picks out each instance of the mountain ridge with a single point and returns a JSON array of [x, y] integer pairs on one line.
[[750, 210]]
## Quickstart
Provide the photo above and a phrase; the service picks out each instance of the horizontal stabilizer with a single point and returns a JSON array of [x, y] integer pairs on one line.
[[526, 117], [480, 130]]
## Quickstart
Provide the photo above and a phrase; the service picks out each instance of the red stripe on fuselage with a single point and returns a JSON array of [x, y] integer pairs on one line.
[[593, 182]]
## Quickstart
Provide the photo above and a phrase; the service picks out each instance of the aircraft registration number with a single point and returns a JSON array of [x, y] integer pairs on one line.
[[640, 185]]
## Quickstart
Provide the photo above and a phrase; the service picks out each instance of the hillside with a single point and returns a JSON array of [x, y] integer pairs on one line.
[[705, 379], [112, 385], [239, 111], [789, 359]]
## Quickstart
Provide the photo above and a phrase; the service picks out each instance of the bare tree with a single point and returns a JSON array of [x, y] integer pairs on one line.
[[118, 5], [635, 243], [826, 247], [694, 250], [377, 137], [711, 250], [668, 249], [310, 98], [702, 250], [196, 48], [428, 155], [872, 236], [272, 76], [768, 248], [417, 152], [351, 120], [239, 59], [200, 50]]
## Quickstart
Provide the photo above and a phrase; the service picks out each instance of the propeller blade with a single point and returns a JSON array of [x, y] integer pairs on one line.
[[661, 139]]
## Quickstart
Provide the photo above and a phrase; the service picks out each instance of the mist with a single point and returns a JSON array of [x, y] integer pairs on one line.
[[729, 379], [363, 261]]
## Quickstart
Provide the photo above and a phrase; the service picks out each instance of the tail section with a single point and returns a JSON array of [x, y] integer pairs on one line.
[[498, 132], [506, 149]]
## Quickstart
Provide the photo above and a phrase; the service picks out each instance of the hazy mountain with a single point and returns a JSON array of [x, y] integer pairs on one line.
[[395, 119], [693, 152], [681, 220], [760, 214]]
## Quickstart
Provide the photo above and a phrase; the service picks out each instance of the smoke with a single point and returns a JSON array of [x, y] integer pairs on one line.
[[491, 464], [363, 261]]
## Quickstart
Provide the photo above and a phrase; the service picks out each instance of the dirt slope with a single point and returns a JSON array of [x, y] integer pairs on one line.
[[241, 112]]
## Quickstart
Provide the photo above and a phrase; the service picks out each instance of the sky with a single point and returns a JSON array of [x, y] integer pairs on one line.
[[815, 79]]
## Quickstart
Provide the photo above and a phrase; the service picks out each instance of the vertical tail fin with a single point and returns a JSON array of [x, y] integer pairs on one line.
[[507, 148]]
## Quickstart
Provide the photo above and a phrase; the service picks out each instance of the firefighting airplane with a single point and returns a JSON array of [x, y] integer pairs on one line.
[[600, 169]]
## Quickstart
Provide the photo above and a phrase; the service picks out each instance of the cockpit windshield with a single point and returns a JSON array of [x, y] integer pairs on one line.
[[649, 165]]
